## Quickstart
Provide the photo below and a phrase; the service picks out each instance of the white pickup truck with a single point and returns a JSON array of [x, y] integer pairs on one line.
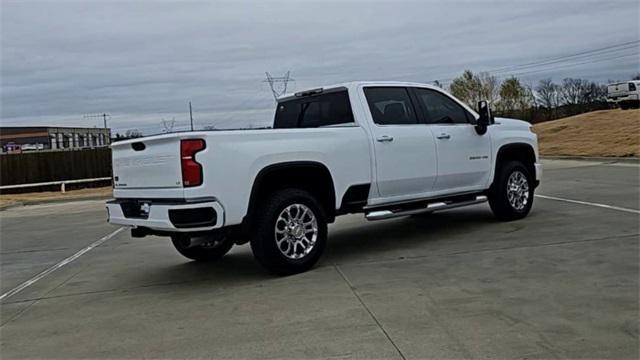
[[384, 149], [624, 94]]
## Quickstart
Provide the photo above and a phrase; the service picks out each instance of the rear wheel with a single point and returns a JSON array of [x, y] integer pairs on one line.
[[206, 248], [511, 195], [290, 232], [624, 106]]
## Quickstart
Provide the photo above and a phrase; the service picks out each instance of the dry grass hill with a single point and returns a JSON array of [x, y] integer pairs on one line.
[[599, 133]]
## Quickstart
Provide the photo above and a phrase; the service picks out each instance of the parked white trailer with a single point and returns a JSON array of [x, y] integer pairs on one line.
[[624, 94]]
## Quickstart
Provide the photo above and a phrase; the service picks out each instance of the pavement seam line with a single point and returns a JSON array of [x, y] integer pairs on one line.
[[11, 252], [604, 206], [353, 291], [106, 290], [59, 265], [35, 301]]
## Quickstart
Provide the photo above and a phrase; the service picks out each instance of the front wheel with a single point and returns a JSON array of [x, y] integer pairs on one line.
[[290, 232], [208, 248], [511, 195]]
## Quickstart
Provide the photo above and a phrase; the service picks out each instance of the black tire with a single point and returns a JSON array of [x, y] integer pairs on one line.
[[499, 200], [263, 238], [624, 106], [215, 248]]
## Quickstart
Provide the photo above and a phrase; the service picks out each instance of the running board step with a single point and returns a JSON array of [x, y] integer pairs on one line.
[[436, 206]]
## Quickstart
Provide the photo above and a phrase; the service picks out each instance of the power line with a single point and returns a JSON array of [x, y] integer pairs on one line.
[[567, 65], [626, 45], [232, 116], [583, 55], [560, 61], [103, 116], [551, 68]]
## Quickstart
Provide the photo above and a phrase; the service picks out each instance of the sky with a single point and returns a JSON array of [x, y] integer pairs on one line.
[[143, 61]]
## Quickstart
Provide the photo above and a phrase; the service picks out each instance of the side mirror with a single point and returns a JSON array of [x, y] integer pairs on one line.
[[485, 118]]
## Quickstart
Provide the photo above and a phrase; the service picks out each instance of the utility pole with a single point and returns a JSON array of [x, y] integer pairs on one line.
[[284, 80], [191, 115]]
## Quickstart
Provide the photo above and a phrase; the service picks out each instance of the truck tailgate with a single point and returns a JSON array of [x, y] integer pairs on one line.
[[620, 89], [147, 164]]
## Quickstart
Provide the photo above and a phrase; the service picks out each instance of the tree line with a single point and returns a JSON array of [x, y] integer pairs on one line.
[[545, 100]]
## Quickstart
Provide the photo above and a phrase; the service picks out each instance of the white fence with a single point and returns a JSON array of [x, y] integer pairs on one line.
[[62, 183]]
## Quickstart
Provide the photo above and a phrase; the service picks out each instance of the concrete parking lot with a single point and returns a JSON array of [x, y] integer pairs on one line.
[[562, 283]]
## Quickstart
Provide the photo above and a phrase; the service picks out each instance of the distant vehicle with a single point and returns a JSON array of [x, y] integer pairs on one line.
[[624, 94], [12, 148], [385, 149], [30, 147]]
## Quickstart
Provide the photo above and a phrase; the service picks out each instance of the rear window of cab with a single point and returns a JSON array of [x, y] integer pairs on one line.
[[325, 109]]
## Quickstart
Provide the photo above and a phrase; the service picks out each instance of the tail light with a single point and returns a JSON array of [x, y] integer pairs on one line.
[[191, 169]]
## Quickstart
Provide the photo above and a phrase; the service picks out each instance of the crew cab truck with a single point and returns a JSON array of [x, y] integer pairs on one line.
[[625, 94], [384, 149]]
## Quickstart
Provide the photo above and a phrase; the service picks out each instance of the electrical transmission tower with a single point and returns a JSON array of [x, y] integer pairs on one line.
[[168, 125], [276, 89], [104, 117]]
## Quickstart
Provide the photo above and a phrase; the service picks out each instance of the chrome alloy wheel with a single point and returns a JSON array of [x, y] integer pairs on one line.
[[296, 231], [518, 190]]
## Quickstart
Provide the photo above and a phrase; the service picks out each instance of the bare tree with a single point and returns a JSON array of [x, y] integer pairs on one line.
[[581, 91], [528, 98], [133, 133], [489, 87], [571, 91], [593, 92], [547, 93]]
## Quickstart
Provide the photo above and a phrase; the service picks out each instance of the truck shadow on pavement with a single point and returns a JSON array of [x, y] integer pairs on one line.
[[352, 240], [365, 241]]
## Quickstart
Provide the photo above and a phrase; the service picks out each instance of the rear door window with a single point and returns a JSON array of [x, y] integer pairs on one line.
[[390, 105], [314, 111]]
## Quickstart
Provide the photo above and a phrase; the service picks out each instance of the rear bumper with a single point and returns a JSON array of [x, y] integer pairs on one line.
[[617, 99], [167, 215]]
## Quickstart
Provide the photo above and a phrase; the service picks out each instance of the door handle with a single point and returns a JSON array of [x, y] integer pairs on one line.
[[384, 138], [444, 136]]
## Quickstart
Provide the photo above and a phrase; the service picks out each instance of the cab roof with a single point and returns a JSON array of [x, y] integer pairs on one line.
[[354, 85]]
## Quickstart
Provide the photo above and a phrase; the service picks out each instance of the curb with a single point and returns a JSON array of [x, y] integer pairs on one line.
[[10, 206], [51, 201], [631, 160]]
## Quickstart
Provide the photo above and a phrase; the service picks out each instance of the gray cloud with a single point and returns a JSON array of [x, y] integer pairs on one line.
[[143, 61]]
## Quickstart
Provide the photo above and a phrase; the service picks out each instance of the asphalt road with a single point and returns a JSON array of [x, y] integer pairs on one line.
[[562, 283]]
